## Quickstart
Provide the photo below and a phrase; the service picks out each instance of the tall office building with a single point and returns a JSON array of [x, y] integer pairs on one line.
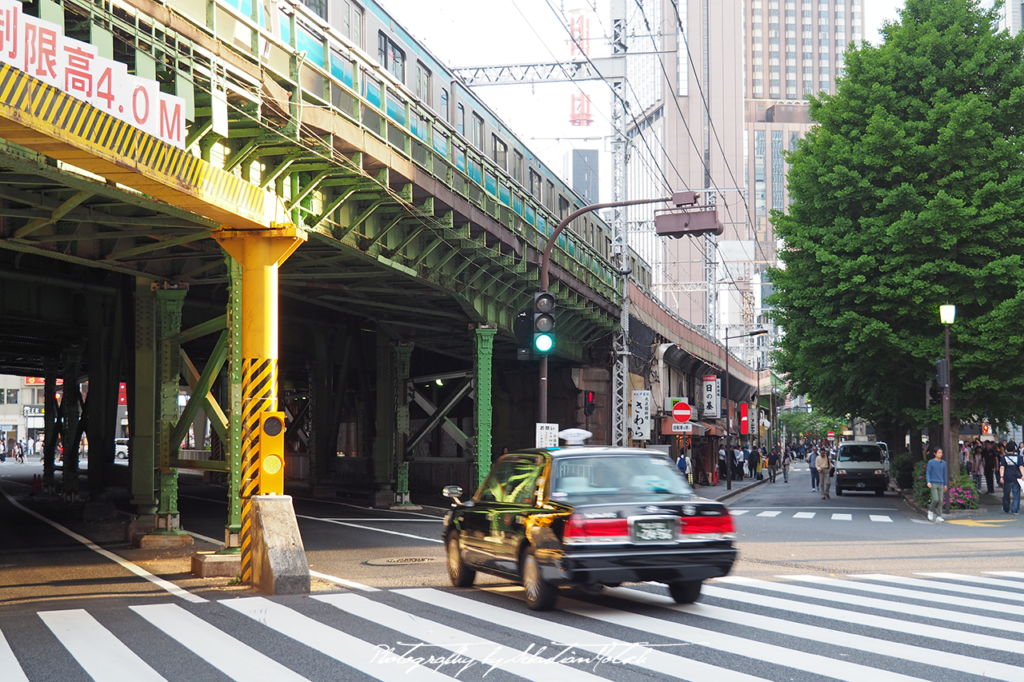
[[583, 170]]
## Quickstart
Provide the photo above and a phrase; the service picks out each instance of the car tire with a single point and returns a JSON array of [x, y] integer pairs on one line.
[[880, 492], [460, 574], [540, 594], [839, 491], [685, 591]]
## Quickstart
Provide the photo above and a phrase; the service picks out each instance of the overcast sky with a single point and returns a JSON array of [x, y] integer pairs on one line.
[[471, 33]]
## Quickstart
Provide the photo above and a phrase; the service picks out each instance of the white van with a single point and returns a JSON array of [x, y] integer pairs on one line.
[[861, 465]]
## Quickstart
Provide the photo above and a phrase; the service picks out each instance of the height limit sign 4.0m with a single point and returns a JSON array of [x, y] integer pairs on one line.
[[681, 412]]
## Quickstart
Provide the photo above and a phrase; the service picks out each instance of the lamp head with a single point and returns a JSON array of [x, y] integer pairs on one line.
[[947, 313]]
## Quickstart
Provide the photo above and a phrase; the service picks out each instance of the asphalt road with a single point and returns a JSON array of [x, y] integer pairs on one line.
[[68, 613]]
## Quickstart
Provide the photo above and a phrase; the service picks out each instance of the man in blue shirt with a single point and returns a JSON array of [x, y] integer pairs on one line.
[[935, 475], [1011, 471]]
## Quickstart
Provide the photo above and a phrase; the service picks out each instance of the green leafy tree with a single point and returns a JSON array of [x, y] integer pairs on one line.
[[811, 424], [905, 196]]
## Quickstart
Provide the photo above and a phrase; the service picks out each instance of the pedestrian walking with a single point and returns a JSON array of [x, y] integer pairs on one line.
[[977, 467], [787, 459], [1011, 472], [990, 466], [935, 476], [721, 462], [823, 463], [812, 455], [773, 464]]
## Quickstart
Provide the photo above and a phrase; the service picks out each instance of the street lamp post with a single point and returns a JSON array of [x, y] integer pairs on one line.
[[947, 315], [728, 460]]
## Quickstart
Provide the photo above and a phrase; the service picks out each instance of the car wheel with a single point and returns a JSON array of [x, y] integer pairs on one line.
[[540, 594], [880, 492], [460, 574], [839, 491], [685, 591]]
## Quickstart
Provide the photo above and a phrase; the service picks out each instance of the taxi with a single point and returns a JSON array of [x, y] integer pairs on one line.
[[587, 516]]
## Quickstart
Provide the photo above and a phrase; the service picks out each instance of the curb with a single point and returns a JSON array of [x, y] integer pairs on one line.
[[733, 493], [912, 503]]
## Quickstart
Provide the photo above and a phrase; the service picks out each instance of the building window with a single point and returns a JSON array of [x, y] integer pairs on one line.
[[499, 152], [422, 84], [351, 16], [760, 206], [391, 57], [460, 119], [778, 181], [12, 396], [477, 132], [444, 104]]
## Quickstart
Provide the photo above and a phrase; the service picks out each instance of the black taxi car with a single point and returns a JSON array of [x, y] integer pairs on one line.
[[587, 516]]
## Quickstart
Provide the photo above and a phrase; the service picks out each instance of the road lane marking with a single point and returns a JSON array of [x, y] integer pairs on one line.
[[770, 514], [341, 581], [339, 645], [10, 669], [505, 658], [913, 610], [102, 655], [356, 518], [842, 517], [937, 585], [803, 515], [656, 660], [738, 512], [238, 661], [849, 640], [947, 600], [826, 666], [375, 530], [124, 563], [877, 518], [944, 635], [994, 582]]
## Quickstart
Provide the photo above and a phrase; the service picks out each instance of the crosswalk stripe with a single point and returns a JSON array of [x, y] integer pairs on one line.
[[1010, 609], [1005, 574], [804, 515], [915, 610], [937, 585], [739, 646], [881, 622], [770, 514], [343, 582], [849, 640], [879, 518], [842, 517], [238, 661], [10, 669], [738, 512], [339, 645], [491, 653], [994, 582], [102, 655], [640, 656]]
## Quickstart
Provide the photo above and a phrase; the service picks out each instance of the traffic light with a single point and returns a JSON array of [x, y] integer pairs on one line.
[[589, 406], [271, 453], [679, 224], [543, 322]]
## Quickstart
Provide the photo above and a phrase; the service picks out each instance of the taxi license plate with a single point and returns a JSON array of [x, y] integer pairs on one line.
[[653, 531]]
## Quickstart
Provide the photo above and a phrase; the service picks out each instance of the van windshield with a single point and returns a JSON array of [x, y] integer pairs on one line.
[[860, 453]]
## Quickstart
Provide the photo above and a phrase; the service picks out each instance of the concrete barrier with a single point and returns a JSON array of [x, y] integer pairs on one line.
[[278, 558]]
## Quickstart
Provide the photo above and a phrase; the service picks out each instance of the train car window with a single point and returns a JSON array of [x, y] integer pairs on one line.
[[460, 119], [477, 137], [549, 200], [499, 152], [534, 184], [422, 85], [318, 6], [350, 16], [444, 105], [390, 56], [563, 207], [517, 167], [460, 157]]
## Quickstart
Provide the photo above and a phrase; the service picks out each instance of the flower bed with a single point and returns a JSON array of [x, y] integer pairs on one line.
[[962, 493]]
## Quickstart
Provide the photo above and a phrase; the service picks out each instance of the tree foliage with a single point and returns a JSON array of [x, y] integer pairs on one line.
[[906, 195], [811, 424]]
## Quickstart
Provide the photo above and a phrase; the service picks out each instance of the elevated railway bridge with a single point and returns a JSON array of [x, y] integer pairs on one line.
[[365, 194]]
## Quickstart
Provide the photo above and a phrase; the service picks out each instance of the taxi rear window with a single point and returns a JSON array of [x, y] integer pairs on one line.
[[602, 475]]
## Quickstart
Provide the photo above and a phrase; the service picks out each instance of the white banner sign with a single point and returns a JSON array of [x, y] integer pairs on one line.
[[641, 415], [682, 428], [710, 400], [40, 49], [547, 435]]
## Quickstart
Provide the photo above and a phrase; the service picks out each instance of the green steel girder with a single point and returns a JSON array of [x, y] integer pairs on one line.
[[201, 392], [278, 171]]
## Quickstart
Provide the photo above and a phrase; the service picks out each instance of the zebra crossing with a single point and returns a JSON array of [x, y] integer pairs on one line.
[[832, 516], [884, 628]]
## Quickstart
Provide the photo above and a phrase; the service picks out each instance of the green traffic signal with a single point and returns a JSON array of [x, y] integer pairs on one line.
[[543, 343]]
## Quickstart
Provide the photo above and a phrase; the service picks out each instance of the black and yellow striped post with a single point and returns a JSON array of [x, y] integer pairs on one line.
[[260, 253]]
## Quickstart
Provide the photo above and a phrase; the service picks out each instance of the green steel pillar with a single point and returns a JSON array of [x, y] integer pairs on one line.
[[403, 356], [384, 444], [51, 425], [143, 413], [233, 454], [71, 408], [105, 342], [168, 313], [482, 404]]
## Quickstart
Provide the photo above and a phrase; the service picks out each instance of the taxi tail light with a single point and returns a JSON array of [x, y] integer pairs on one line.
[[708, 525], [580, 530]]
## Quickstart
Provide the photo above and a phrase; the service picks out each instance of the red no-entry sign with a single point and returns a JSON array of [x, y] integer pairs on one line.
[[831, 436], [681, 412]]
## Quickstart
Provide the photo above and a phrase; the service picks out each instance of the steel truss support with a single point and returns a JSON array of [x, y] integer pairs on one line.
[[70, 407], [620, 244], [403, 356], [143, 412], [482, 401], [168, 314], [260, 253], [51, 421], [233, 442]]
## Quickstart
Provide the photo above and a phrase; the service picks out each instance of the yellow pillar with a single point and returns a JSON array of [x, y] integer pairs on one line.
[[260, 253]]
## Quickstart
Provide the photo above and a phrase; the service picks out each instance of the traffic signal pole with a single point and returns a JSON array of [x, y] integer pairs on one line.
[[545, 263]]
